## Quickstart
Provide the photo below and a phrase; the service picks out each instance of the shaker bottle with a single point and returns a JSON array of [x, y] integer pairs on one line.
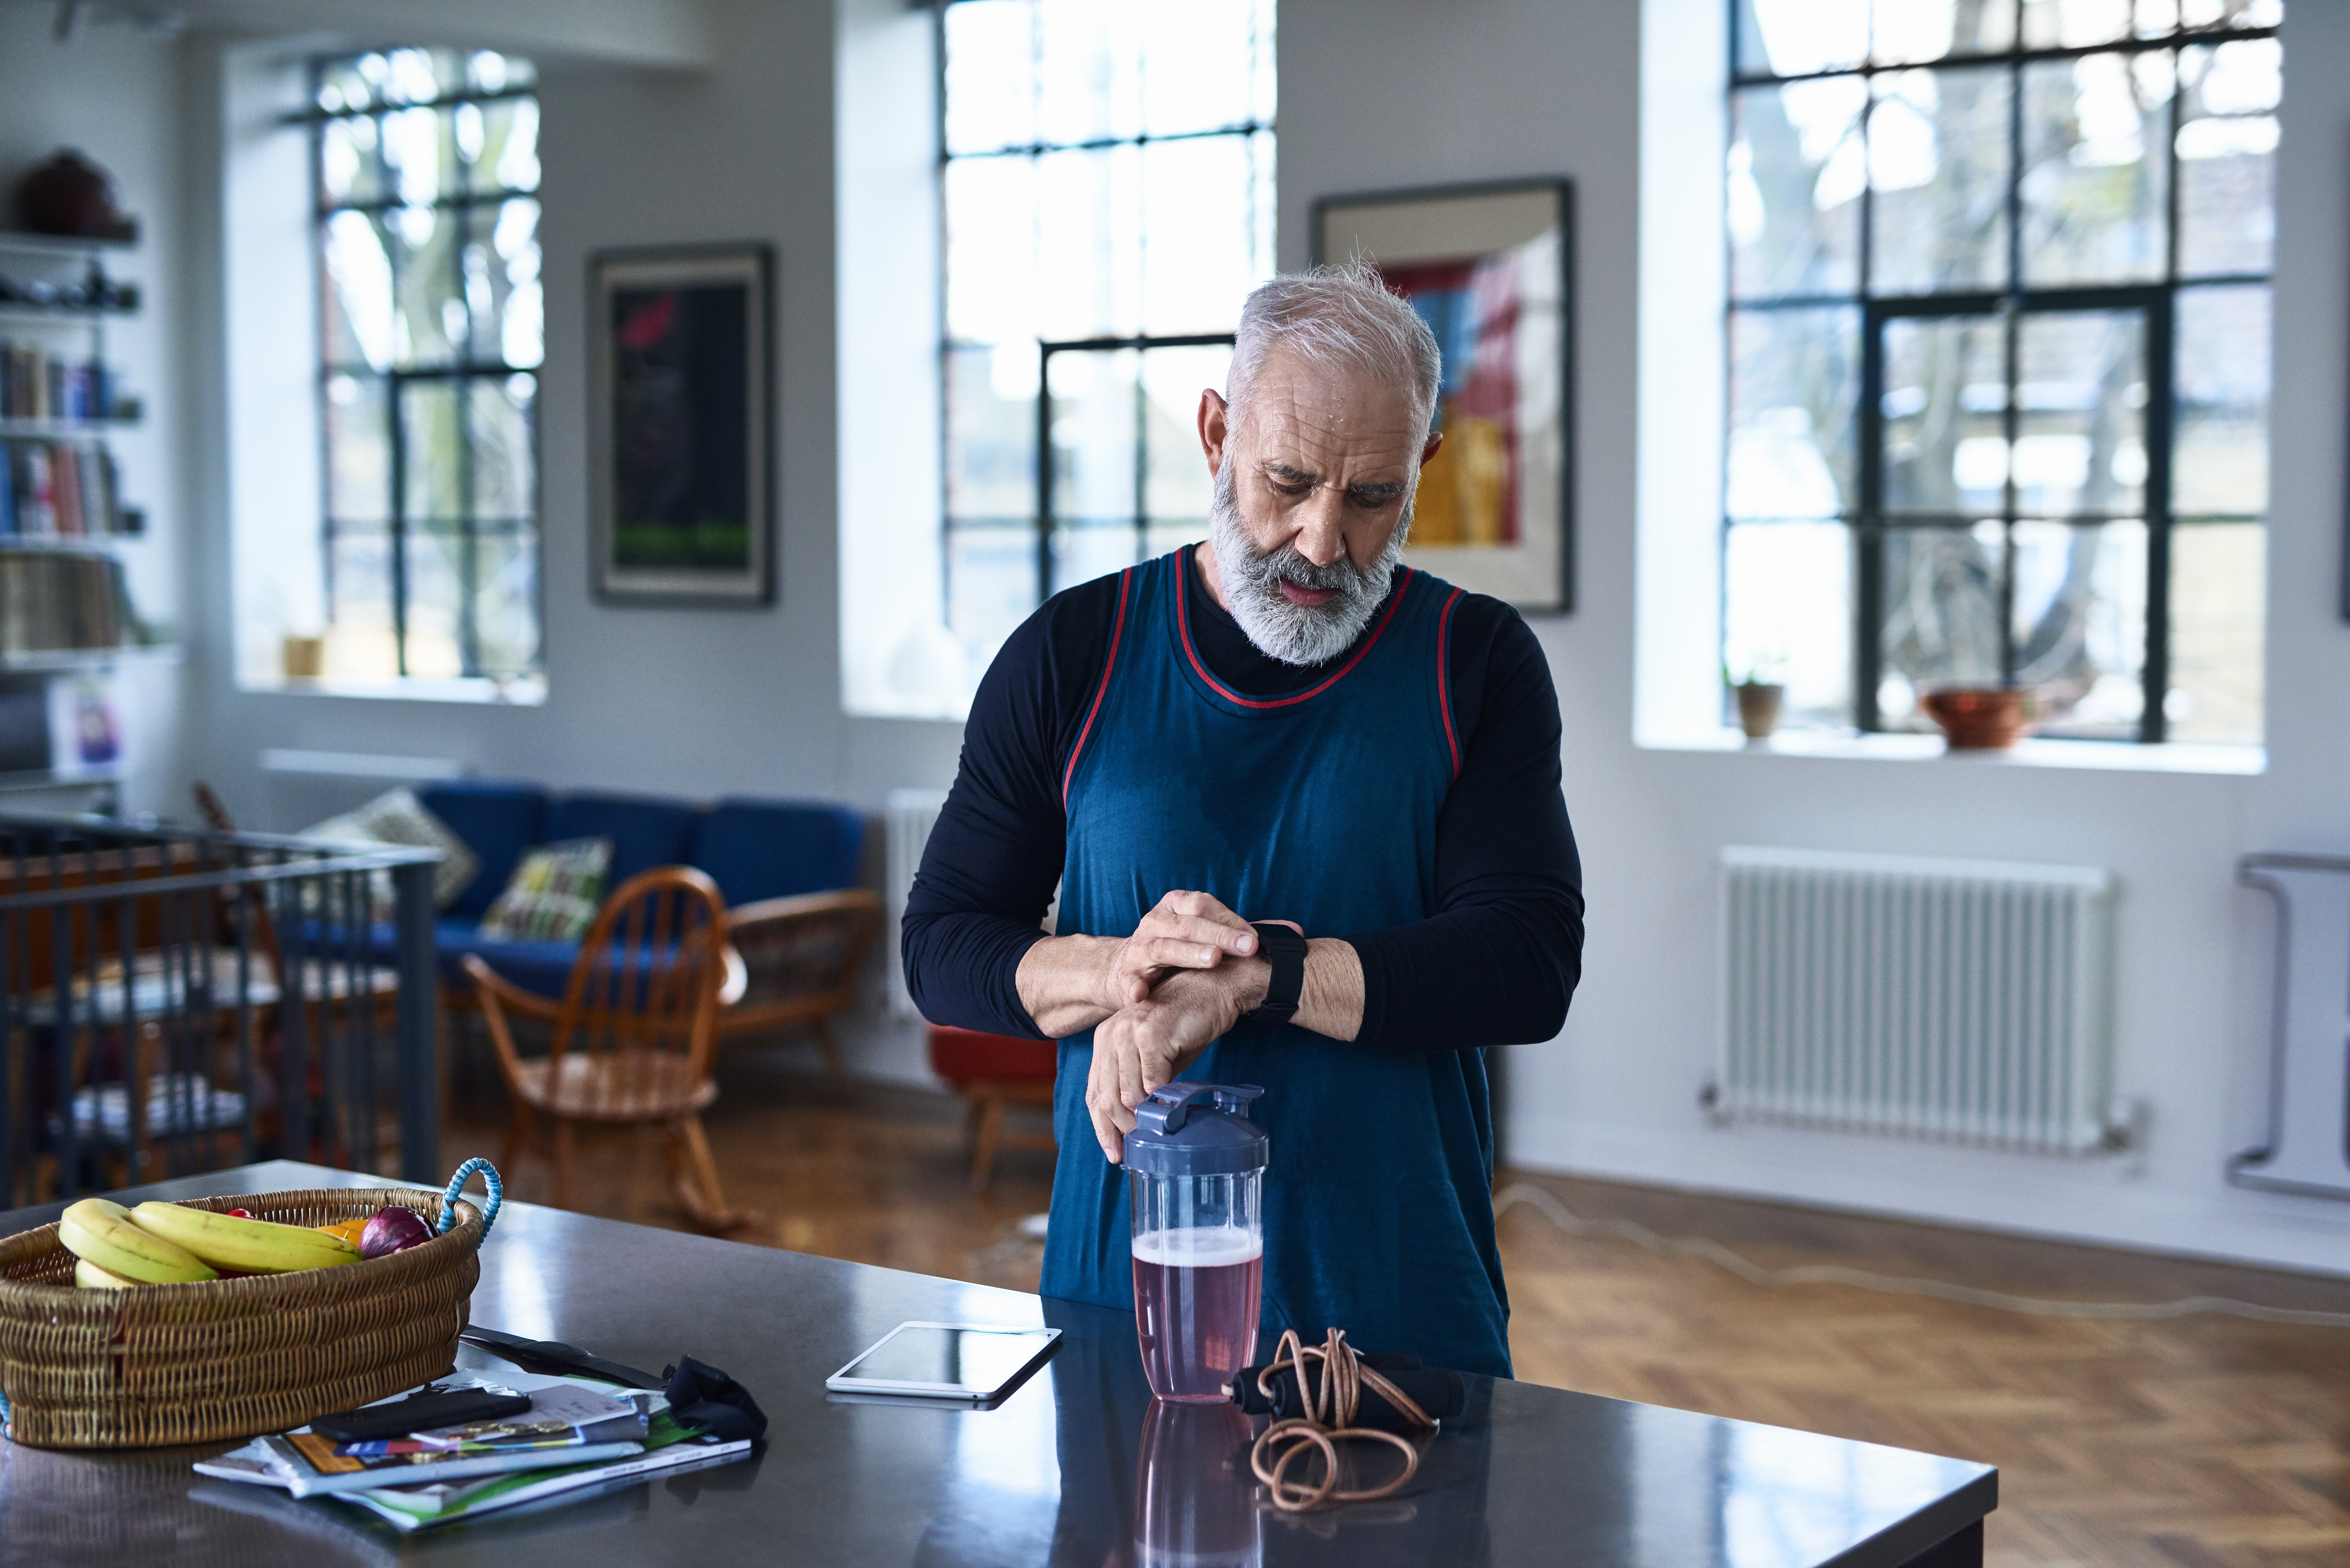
[[1195, 1172]]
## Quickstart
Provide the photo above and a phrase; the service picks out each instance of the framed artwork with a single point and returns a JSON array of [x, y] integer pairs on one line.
[[1490, 269], [681, 488]]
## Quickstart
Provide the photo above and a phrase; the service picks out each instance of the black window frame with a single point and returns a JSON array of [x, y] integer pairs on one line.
[[1049, 469], [1867, 521], [465, 372]]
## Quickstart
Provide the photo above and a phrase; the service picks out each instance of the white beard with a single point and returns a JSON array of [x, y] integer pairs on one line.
[[1280, 628]]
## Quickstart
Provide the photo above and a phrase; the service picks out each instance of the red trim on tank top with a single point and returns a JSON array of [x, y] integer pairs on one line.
[[1444, 676], [1117, 632], [1183, 621]]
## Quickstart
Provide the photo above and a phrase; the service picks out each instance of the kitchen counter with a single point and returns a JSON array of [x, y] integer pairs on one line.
[[1076, 1467]]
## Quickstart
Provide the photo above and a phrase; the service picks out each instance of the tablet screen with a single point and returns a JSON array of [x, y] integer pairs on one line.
[[979, 1360]]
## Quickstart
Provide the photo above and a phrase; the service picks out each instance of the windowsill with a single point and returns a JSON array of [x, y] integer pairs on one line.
[[525, 691], [2109, 756]]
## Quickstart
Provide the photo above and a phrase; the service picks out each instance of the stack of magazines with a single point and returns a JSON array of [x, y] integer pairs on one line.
[[578, 1433]]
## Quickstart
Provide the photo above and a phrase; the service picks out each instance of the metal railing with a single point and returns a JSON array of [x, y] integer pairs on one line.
[[174, 1001]]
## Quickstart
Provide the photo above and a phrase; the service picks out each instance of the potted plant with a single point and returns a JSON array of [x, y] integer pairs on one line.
[[1981, 718], [1761, 697]]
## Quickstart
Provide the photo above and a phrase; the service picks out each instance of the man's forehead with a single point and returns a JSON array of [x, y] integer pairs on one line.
[[1307, 412]]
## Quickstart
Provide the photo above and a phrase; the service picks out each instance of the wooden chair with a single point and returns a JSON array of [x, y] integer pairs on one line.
[[633, 1038], [801, 959], [991, 1072]]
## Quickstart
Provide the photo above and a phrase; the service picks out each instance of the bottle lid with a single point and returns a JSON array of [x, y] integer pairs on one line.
[[1196, 1130]]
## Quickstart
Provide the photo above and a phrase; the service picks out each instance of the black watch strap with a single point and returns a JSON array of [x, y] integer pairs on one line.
[[1284, 950]]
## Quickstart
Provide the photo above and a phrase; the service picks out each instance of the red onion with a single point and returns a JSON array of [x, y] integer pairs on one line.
[[393, 1229]]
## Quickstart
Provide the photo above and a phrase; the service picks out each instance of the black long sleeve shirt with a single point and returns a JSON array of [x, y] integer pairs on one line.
[[1495, 964]]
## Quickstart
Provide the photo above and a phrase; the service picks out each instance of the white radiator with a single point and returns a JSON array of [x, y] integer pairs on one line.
[[910, 815], [1956, 1000]]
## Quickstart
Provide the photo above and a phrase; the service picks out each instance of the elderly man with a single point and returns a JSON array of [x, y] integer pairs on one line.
[[1280, 732]]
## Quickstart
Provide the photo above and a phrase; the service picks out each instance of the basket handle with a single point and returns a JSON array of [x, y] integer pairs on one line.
[[490, 1179]]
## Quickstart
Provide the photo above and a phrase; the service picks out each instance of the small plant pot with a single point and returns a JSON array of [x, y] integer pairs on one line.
[[1758, 708], [1981, 718]]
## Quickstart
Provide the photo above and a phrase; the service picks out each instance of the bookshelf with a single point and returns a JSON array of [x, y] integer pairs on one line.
[[66, 619]]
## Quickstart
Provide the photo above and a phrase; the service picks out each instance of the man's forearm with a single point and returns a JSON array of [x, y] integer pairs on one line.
[[1065, 983]]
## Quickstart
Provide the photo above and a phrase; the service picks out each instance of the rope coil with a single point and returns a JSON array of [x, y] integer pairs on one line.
[[1330, 1408]]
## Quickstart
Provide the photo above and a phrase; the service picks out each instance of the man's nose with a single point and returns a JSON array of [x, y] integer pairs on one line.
[[1321, 532]]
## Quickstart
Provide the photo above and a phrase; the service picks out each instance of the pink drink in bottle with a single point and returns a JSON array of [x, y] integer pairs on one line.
[[1195, 1170]]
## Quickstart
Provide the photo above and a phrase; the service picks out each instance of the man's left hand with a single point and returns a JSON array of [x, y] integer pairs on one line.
[[1148, 1043]]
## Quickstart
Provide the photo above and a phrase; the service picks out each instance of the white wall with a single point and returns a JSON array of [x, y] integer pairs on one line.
[[113, 93], [1394, 92]]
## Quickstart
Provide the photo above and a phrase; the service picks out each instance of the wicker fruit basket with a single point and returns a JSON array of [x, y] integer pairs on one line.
[[230, 1358]]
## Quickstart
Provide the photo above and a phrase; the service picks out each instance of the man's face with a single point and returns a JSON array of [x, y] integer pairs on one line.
[[1313, 502]]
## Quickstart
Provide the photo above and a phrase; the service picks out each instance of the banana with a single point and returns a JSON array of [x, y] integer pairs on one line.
[[88, 1273], [258, 1246], [102, 1233]]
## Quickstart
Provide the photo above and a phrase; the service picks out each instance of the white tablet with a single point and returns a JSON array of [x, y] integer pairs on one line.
[[947, 1361]]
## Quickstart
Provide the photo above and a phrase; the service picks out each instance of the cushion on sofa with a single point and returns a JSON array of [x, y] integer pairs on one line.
[[397, 816], [645, 831], [756, 849], [498, 819], [554, 894]]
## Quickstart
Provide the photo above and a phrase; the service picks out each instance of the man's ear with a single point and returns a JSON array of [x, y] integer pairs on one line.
[[1215, 428], [1435, 439]]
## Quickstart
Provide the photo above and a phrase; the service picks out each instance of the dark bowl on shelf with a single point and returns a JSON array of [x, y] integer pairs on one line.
[[1981, 718]]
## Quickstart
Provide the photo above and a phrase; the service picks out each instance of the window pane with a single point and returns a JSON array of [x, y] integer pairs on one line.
[[1793, 375], [991, 467], [1795, 37], [436, 603], [1088, 227], [1082, 553], [2081, 418], [502, 153], [1796, 167], [991, 586], [2076, 23], [505, 471], [2080, 626], [2227, 157], [356, 293], [2095, 177], [2219, 461], [1202, 248], [432, 434], [1945, 437], [342, 84], [1788, 587], [429, 317], [1204, 64], [419, 155], [505, 605], [1938, 166], [1177, 487], [1941, 619], [1907, 32], [991, 248], [1087, 70], [358, 451], [2219, 576], [502, 303], [347, 162], [359, 609], [990, 75], [1094, 415]]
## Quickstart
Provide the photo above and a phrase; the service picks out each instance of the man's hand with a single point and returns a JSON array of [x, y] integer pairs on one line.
[[1147, 1043], [1184, 931]]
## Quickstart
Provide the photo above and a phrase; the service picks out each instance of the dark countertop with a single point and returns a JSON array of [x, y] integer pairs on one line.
[[1052, 1474]]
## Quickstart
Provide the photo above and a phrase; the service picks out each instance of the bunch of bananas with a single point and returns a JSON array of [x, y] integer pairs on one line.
[[164, 1243]]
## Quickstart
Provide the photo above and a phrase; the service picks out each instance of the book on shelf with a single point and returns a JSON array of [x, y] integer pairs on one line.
[[56, 601], [37, 384], [59, 490]]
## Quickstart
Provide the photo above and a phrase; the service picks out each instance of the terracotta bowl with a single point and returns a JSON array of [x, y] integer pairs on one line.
[[1981, 718]]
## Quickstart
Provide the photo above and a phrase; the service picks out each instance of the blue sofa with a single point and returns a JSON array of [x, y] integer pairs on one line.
[[785, 867]]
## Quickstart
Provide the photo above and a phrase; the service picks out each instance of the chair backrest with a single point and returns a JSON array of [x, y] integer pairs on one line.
[[643, 997]]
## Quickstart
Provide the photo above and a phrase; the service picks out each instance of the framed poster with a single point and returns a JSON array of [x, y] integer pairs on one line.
[[1489, 269], [682, 479]]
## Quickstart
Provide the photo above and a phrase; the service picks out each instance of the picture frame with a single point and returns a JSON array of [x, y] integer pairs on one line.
[[681, 425], [1491, 267]]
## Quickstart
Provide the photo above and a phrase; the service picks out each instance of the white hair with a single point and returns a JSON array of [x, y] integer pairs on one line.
[[1337, 316]]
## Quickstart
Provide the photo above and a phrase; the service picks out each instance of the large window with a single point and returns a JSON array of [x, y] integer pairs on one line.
[[1107, 185], [431, 335], [1999, 346]]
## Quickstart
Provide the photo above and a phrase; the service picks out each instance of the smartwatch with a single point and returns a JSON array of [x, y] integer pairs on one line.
[[1284, 949]]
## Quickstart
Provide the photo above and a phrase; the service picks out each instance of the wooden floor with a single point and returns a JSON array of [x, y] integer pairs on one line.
[[2203, 1440]]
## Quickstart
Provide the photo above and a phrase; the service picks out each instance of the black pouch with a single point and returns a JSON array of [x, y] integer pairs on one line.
[[701, 1396]]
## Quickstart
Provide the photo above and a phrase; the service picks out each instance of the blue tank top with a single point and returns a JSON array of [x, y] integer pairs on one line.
[[1320, 807]]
